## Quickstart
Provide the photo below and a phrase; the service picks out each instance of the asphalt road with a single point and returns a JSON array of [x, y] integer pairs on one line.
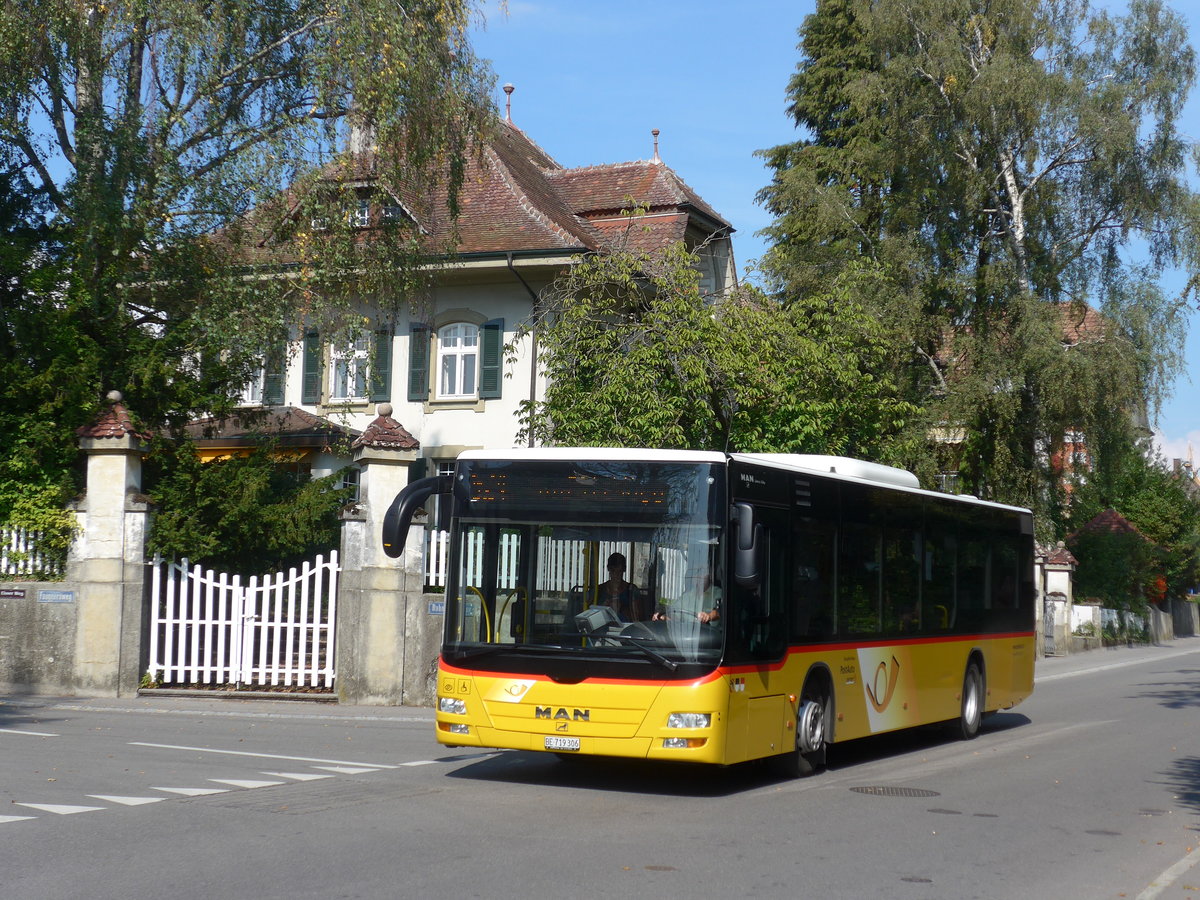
[[1090, 789]]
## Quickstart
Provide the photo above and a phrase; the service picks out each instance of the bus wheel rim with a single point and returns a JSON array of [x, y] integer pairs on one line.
[[810, 731]]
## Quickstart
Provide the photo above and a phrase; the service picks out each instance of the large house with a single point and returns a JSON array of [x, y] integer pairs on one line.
[[441, 365]]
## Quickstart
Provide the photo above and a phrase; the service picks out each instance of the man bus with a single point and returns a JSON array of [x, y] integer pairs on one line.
[[784, 603]]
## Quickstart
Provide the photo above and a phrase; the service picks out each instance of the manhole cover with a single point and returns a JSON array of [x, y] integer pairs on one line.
[[888, 791]]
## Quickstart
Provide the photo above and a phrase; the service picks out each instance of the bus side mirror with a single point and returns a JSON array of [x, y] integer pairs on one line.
[[400, 514], [747, 555]]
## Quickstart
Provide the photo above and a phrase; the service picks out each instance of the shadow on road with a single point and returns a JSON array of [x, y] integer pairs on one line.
[[1183, 779], [1182, 692], [18, 711], [693, 780]]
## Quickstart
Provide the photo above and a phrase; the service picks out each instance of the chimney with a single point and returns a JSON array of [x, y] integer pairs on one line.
[[657, 159], [508, 89]]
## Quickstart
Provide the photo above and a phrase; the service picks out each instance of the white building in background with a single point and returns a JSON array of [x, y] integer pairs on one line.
[[441, 364]]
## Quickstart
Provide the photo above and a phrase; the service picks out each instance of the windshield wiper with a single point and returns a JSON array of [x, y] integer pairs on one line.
[[669, 664], [483, 650]]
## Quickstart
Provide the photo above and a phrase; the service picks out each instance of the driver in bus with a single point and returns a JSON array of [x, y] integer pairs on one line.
[[700, 598]]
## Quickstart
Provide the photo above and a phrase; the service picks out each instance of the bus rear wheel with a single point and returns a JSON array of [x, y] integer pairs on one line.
[[971, 715]]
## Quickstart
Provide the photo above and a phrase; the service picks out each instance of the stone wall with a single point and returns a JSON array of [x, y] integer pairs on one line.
[[38, 622]]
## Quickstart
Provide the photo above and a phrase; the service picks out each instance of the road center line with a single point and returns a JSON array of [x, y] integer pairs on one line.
[[30, 733], [337, 762]]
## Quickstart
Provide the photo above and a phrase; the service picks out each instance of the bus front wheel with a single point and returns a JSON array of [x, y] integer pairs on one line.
[[809, 753], [972, 702]]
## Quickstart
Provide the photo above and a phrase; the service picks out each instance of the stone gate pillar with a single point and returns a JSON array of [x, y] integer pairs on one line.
[[108, 557], [377, 613]]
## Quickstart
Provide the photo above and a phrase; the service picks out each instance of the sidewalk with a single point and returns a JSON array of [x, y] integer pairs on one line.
[[1051, 668], [222, 707]]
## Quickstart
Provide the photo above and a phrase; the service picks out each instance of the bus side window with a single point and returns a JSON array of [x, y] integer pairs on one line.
[[813, 542], [858, 579]]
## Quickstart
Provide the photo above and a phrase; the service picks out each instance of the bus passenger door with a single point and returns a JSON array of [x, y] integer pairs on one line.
[[757, 641]]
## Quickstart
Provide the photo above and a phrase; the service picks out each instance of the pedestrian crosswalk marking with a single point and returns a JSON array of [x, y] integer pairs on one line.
[[192, 792], [127, 801], [245, 782], [60, 809]]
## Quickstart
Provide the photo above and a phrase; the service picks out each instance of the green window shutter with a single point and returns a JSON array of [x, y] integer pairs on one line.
[[311, 389], [418, 469], [418, 363], [491, 359], [273, 377], [381, 367]]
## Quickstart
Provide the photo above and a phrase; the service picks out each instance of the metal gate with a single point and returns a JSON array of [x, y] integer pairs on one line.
[[208, 629]]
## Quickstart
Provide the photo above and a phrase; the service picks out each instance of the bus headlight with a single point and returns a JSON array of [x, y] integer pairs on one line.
[[452, 705], [689, 720]]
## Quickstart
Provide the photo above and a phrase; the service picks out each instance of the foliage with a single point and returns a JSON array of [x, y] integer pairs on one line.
[[156, 156], [253, 513], [1113, 567], [997, 162], [637, 355], [1157, 503]]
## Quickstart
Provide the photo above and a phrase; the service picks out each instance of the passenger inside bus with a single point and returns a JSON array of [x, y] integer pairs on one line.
[[618, 594]]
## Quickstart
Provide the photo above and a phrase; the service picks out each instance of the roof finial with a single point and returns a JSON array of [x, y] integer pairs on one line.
[[654, 131], [508, 89]]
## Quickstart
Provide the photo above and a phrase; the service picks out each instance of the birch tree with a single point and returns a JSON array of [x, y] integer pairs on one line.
[[1015, 166]]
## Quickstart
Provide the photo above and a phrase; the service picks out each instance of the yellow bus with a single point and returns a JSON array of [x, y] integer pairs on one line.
[[718, 608]]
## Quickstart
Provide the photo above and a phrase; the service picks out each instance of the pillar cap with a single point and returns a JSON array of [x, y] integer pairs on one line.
[[113, 423]]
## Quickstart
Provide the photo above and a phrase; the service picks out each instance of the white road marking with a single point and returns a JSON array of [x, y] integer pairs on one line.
[[192, 792], [245, 783], [310, 759], [349, 770], [127, 801], [298, 776], [4, 820], [61, 809], [1170, 876], [30, 733], [421, 762]]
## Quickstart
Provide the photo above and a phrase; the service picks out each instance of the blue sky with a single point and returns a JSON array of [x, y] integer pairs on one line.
[[592, 79]]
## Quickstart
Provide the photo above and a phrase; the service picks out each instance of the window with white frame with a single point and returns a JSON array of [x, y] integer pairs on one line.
[[350, 362], [458, 361], [252, 390], [360, 215]]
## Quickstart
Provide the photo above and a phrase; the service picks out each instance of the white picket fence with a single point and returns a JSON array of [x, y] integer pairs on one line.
[[208, 628], [19, 555]]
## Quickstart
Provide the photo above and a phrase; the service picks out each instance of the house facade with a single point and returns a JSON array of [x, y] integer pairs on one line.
[[441, 361]]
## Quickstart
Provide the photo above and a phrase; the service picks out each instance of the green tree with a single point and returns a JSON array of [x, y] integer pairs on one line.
[[636, 355], [158, 155], [1157, 502], [252, 514], [999, 161]]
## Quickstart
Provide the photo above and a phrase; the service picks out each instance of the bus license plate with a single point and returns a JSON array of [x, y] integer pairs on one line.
[[562, 743]]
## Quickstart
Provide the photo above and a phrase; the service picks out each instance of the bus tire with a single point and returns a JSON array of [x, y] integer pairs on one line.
[[971, 715], [809, 753]]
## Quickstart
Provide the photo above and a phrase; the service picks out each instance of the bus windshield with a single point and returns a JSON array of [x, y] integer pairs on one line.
[[608, 561]]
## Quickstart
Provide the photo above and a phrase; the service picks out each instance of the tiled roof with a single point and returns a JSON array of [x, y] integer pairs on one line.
[[385, 433], [288, 425], [113, 422], [1110, 522], [606, 189], [1059, 555], [515, 197]]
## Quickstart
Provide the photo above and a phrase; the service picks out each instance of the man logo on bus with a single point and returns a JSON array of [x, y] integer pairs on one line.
[[545, 712], [888, 685]]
